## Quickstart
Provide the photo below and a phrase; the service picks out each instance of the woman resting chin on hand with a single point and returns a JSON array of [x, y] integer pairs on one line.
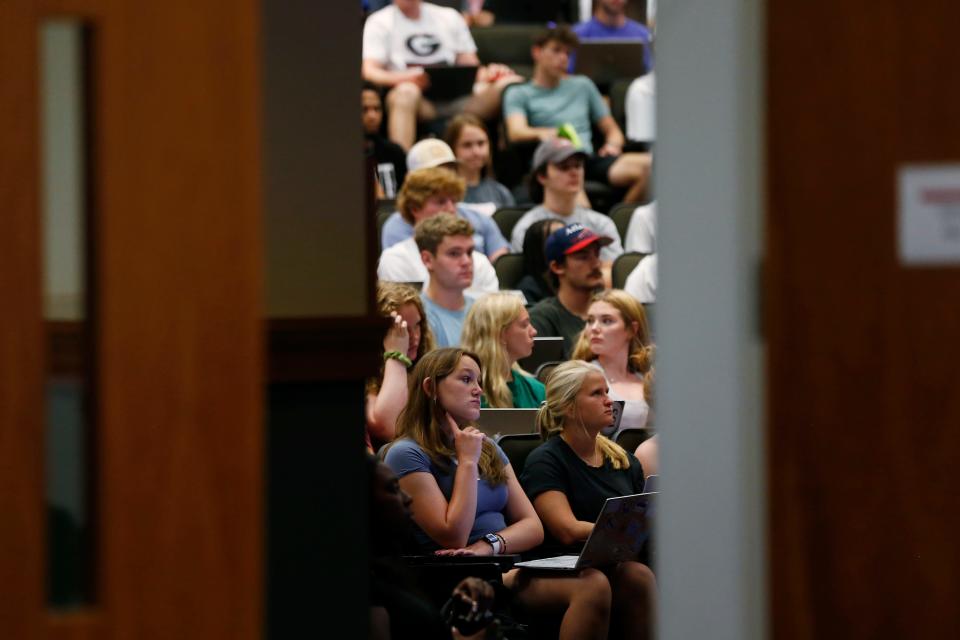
[[466, 497]]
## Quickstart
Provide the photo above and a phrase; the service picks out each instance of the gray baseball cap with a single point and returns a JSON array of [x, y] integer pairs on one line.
[[555, 150]]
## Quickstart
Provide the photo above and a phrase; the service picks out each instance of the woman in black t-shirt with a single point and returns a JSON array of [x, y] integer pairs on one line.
[[569, 477]]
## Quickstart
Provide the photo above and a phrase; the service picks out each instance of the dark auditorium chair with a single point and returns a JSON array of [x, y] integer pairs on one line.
[[518, 447], [507, 218], [509, 268], [507, 44], [623, 266], [381, 220], [630, 439], [621, 214], [618, 101], [544, 371]]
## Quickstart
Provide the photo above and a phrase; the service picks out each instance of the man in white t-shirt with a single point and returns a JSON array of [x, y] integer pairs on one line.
[[400, 39], [642, 281], [402, 263], [642, 230], [446, 246]]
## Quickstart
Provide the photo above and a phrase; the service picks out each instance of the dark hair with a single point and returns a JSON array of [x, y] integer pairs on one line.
[[560, 33], [534, 259], [369, 86], [534, 188]]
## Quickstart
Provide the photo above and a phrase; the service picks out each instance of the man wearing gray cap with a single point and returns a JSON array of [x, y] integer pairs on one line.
[[558, 174]]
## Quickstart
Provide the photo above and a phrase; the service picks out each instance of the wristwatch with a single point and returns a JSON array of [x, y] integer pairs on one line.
[[494, 541]]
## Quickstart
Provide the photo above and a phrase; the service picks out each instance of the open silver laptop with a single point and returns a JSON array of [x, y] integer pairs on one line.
[[622, 528], [501, 422]]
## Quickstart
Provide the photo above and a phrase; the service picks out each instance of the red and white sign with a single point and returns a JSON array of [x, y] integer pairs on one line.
[[929, 224]]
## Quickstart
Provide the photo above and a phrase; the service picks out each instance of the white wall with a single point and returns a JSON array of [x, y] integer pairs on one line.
[[711, 563]]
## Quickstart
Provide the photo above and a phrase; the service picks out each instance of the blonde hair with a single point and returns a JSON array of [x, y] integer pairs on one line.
[[563, 385], [422, 419], [640, 350], [391, 296], [421, 184], [482, 330]]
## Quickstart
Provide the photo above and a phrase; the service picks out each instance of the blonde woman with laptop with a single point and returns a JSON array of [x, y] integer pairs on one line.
[[498, 329], [572, 474]]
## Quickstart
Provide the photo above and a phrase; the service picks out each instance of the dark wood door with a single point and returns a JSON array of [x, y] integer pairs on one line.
[[864, 403]]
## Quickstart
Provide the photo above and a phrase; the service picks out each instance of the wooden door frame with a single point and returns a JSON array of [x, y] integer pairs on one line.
[[179, 338]]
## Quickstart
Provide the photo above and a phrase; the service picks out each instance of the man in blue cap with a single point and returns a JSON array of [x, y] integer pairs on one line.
[[573, 255]]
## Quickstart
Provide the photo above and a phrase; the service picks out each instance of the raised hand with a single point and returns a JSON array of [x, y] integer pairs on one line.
[[467, 443], [398, 337]]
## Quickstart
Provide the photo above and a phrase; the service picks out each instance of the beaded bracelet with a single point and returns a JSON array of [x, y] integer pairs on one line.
[[396, 355]]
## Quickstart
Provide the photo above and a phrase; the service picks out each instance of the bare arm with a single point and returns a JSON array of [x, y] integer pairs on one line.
[[606, 268], [496, 254], [448, 523], [613, 137], [519, 130], [524, 531], [376, 72], [554, 508], [384, 407], [467, 59]]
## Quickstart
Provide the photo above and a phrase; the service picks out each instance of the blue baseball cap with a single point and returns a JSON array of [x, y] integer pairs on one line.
[[570, 239]]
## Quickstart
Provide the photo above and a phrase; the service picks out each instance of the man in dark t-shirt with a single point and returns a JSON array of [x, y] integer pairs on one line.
[[390, 159], [573, 255]]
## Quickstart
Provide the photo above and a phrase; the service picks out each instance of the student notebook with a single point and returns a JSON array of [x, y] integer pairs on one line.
[[623, 526]]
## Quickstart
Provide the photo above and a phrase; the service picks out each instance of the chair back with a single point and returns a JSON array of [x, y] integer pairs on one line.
[[509, 268], [630, 439], [618, 101], [623, 266], [384, 209], [507, 44], [507, 218], [518, 447], [544, 370], [621, 214]]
